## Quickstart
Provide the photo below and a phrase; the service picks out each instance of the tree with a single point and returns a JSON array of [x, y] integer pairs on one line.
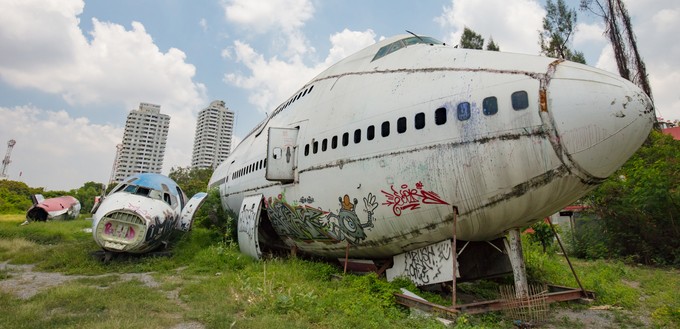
[[15, 197], [559, 25], [471, 40], [628, 59], [542, 234], [639, 205], [212, 216], [86, 195], [492, 46], [191, 180]]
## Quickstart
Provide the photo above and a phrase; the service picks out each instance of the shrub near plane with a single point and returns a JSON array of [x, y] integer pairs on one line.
[[140, 214], [371, 157]]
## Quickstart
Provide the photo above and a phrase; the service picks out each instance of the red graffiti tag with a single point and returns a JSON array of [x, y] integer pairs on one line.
[[410, 198]]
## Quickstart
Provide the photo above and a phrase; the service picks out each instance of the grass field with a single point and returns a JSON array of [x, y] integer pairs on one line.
[[49, 279]]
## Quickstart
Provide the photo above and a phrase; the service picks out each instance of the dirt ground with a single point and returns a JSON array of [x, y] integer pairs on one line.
[[24, 282]]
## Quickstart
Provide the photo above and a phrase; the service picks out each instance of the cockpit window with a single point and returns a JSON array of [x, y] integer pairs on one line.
[[143, 191], [394, 46], [130, 188]]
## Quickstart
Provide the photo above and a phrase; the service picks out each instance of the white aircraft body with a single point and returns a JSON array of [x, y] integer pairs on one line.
[[371, 156]]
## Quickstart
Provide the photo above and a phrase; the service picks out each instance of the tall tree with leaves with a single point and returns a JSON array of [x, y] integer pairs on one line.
[[492, 46], [619, 30], [191, 180], [559, 26], [639, 205], [471, 40]]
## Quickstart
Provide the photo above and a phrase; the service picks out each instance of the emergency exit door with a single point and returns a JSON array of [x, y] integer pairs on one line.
[[281, 150]]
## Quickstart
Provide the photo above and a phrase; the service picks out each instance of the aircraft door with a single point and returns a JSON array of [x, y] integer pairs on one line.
[[248, 223], [186, 219], [281, 157]]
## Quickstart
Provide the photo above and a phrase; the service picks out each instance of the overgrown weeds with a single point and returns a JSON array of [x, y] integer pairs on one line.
[[207, 280]]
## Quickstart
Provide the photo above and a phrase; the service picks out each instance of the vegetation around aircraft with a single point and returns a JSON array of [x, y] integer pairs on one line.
[[208, 283]]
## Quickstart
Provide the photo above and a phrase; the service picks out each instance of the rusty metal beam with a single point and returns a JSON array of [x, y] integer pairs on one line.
[[558, 294]]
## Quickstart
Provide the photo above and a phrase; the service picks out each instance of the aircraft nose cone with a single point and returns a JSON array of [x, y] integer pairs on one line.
[[601, 119]]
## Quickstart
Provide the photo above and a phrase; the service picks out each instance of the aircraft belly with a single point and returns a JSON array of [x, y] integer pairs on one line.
[[402, 201]]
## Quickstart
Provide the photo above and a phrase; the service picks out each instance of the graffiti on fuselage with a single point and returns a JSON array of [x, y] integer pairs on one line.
[[247, 222], [158, 230], [424, 265], [308, 224], [410, 198]]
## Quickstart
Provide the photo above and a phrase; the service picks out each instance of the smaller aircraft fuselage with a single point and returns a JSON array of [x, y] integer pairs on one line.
[[140, 214]]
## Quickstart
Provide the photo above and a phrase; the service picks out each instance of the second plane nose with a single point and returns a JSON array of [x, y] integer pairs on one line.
[[600, 119]]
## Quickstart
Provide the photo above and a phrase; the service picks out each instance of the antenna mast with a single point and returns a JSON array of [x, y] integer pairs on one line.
[[6, 160]]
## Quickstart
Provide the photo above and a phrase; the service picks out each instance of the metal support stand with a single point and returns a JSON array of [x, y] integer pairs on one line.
[[514, 247], [454, 254], [513, 244], [564, 252], [346, 257]]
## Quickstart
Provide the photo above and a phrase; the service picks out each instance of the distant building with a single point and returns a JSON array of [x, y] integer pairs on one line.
[[212, 142], [144, 139]]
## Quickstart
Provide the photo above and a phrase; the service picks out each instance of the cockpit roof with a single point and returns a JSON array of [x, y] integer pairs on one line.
[[403, 43]]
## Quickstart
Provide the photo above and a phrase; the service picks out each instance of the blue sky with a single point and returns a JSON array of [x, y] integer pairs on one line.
[[71, 70]]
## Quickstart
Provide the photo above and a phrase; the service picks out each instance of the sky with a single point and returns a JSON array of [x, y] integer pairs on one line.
[[72, 70]]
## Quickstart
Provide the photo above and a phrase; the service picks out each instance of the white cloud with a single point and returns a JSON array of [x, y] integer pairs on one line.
[[53, 147], [656, 24], [275, 79], [346, 43], [44, 49], [513, 24], [282, 20], [262, 16], [589, 33], [203, 23]]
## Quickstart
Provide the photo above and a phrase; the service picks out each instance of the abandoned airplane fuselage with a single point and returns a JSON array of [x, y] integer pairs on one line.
[[372, 155], [58, 208], [140, 214]]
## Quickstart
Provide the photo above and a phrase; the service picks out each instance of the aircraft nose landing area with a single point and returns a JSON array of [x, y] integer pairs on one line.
[[600, 119], [120, 230]]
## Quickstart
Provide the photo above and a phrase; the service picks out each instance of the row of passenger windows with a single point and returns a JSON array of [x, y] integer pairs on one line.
[[519, 100], [257, 165]]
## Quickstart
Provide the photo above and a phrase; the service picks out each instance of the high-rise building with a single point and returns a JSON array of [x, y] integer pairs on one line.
[[214, 128], [146, 132]]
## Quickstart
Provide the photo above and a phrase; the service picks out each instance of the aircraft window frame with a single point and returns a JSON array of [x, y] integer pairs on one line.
[[490, 105], [315, 147], [385, 129], [370, 132], [357, 136], [401, 125], [143, 191], [167, 199], [345, 139], [306, 149], [120, 188], [463, 111], [419, 121], [520, 100], [130, 189], [440, 116], [334, 142], [403, 43], [324, 145]]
